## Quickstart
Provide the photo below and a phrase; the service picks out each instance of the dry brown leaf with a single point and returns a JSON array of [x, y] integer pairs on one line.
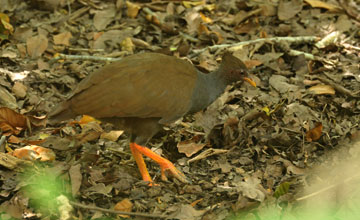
[[127, 45], [112, 135], [322, 89], [245, 28], [19, 89], [190, 4], [132, 9], [104, 17], [220, 38], [203, 29], [193, 204], [14, 140], [76, 178], [124, 205], [12, 122], [189, 148], [289, 9], [85, 119], [33, 142], [205, 19], [252, 63], [88, 136], [315, 133], [34, 152], [97, 35], [38, 121], [36, 46], [321, 4], [308, 82], [63, 38]]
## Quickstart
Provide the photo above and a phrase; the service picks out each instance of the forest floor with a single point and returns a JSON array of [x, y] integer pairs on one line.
[[287, 149]]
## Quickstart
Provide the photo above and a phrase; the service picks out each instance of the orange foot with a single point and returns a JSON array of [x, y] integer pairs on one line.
[[165, 164]]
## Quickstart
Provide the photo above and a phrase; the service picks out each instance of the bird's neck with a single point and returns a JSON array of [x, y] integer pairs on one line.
[[208, 88], [216, 84]]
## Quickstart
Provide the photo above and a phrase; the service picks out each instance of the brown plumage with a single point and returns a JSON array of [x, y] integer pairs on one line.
[[142, 92]]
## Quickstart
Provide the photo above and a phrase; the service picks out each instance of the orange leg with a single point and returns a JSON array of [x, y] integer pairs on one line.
[[141, 163], [165, 164]]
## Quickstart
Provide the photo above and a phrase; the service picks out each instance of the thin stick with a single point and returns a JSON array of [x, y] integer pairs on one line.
[[327, 188], [271, 39], [337, 86], [83, 57], [116, 212]]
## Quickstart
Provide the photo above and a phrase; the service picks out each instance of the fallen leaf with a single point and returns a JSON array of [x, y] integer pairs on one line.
[[63, 38], [193, 204], [315, 133], [282, 189], [252, 63], [57, 143], [103, 18], [281, 84], [132, 9], [186, 212], [127, 45], [190, 4], [124, 205], [289, 9], [5, 27], [12, 122], [112, 135], [19, 89], [14, 140], [7, 99], [322, 89], [36, 46], [189, 148], [34, 152], [205, 19], [76, 178], [90, 131], [85, 119], [321, 4]]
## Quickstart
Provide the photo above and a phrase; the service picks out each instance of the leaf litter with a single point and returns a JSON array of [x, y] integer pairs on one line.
[[250, 150]]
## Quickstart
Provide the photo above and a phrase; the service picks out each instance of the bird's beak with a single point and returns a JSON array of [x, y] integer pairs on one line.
[[250, 81]]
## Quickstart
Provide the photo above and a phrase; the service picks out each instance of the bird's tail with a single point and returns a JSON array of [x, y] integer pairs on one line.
[[60, 113]]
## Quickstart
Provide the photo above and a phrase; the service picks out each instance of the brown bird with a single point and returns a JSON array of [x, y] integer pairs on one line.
[[143, 92]]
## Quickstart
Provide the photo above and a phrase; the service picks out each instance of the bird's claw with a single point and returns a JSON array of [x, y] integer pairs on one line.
[[169, 167]]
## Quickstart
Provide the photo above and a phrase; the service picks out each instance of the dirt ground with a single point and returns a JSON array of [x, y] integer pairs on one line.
[[254, 153]]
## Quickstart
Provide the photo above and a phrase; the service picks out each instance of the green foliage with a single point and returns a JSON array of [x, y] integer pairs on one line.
[[282, 189], [43, 186]]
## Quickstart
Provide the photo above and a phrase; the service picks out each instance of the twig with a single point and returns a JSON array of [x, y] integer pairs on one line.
[[2, 140], [327, 188], [308, 56], [337, 87], [117, 212], [349, 46], [207, 153], [329, 39], [90, 50], [350, 8], [293, 52], [83, 57], [244, 43], [77, 14], [188, 37]]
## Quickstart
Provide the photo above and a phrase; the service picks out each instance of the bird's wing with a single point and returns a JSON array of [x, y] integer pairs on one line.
[[143, 86]]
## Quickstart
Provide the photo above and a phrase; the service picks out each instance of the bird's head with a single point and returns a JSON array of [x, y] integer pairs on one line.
[[233, 69]]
